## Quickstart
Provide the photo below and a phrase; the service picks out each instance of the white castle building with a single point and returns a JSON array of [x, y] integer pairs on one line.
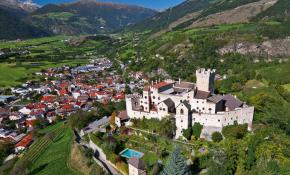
[[189, 103]]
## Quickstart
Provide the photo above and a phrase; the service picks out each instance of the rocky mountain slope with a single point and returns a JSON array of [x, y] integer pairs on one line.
[[269, 48]]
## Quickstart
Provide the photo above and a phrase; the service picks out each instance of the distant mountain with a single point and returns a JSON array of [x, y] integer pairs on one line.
[[87, 17], [26, 6], [12, 25], [25, 19]]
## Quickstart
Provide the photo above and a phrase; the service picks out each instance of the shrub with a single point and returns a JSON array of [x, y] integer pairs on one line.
[[235, 131], [187, 133], [196, 129], [217, 137]]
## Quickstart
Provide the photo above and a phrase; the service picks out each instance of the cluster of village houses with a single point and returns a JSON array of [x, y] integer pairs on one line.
[[64, 91]]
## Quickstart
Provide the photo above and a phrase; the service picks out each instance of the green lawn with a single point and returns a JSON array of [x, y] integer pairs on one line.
[[54, 161]]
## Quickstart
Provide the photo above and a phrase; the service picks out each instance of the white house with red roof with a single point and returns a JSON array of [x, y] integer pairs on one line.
[[24, 143]]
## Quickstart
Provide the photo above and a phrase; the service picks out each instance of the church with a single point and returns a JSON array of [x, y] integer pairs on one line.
[[190, 103]]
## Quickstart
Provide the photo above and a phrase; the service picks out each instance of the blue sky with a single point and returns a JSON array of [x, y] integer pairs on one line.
[[154, 4]]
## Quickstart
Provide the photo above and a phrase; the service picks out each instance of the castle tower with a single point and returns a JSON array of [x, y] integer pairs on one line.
[[205, 79]]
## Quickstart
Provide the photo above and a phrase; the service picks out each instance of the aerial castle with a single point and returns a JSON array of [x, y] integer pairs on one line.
[[190, 103]]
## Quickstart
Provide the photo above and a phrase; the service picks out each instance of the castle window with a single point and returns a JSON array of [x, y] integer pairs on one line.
[[181, 121], [219, 120], [153, 97], [197, 108], [209, 109], [196, 101], [181, 111], [180, 101], [145, 97], [163, 109], [193, 119], [202, 108], [158, 98], [160, 109]]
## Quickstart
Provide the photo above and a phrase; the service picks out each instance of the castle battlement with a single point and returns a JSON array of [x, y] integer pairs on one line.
[[205, 71]]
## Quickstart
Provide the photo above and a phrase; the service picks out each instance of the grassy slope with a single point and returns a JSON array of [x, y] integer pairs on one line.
[[55, 159]]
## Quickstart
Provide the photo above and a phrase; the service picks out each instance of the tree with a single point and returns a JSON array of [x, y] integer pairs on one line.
[[127, 89], [167, 127], [176, 165], [196, 129], [112, 119], [235, 131], [187, 133], [216, 163], [216, 137]]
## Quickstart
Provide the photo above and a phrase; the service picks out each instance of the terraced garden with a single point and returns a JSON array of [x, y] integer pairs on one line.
[[49, 154]]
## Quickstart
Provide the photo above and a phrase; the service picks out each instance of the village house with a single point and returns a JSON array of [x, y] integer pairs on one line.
[[136, 166], [24, 143], [122, 119]]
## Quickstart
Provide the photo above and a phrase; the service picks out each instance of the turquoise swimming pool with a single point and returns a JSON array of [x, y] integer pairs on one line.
[[129, 153]]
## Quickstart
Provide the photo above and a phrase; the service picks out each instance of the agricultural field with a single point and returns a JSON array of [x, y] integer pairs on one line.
[[23, 58], [13, 74], [60, 148], [38, 159]]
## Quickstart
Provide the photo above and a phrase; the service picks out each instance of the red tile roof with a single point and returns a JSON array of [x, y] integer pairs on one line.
[[120, 96], [25, 141], [62, 92], [159, 85], [99, 86], [36, 106], [101, 93], [67, 107], [64, 85], [48, 98]]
